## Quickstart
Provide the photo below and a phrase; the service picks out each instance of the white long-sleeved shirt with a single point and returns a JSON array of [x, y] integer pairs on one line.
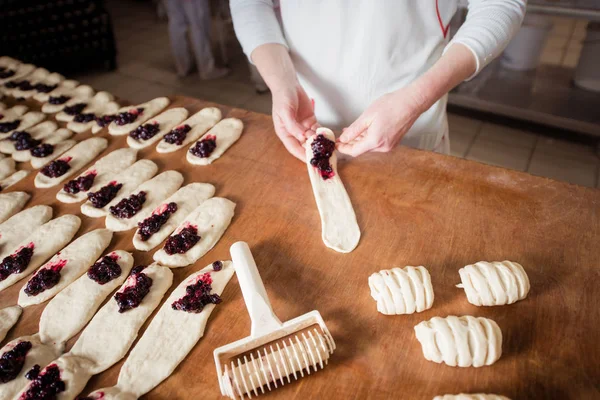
[[348, 53]]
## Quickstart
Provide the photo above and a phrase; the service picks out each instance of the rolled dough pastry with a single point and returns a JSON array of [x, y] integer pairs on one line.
[[38, 132], [8, 318], [21, 71], [476, 396], [402, 290], [12, 203], [494, 283], [150, 109], [71, 262], [11, 180], [106, 167], [26, 121], [199, 123], [186, 200], [339, 228], [59, 149], [16, 229], [164, 123], [89, 105], [44, 77], [460, 341], [45, 242], [79, 156], [7, 167], [35, 76], [156, 190], [12, 113], [65, 85], [224, 134], [99, 109], [130, 178], [75, 306], [210, 219], [80, 94], [54, 138]]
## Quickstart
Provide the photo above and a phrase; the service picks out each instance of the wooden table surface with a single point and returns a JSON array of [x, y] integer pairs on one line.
[[413, 208]]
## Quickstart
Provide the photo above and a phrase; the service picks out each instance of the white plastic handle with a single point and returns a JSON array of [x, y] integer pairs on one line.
[[257, 302]]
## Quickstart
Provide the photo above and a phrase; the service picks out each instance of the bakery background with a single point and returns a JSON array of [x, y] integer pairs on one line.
[[542, 120]]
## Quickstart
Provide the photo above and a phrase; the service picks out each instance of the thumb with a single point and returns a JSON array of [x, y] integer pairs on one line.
[[357, 128]]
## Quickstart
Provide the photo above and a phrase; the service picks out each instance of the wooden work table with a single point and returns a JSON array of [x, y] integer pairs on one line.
[[414, 208]]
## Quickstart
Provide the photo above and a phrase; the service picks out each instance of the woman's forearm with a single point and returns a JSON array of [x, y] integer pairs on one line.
[[275, 66]]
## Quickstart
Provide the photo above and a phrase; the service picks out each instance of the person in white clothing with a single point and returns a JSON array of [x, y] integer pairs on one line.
[[379, 69], [195, 16]]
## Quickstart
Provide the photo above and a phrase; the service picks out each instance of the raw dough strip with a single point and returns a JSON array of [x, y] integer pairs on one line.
[[75, 259], [130, 178], [67, 84], [54, 138], [21, 71], [80, 94], [112, 163], [59, 150], [46, 241], [12, 203], [91, 103], [99, 109], [475, 396], [157, 189], [26, 121], [169, 338], [151, 108], [187, 199], [79, 155], [37, 132], [200, 123], [16, 229], [402, 290], [75, 306], [460, 341], [40, 354], [165, 121], [10, 114], [494, 283], [225, 133], [11, 180], [211, 219], [339, 228], [8, 318], [7, 167]]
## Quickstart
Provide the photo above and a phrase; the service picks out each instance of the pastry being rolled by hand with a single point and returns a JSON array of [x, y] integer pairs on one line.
[[494, 283], [402, 290]]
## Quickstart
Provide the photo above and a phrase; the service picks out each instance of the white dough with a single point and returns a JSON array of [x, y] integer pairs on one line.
[[12, 203], [59, 149], [151, 108], [38, 131], [200, 123], [110, 334], [130, 178], [94, 102], [96, 108], [80, 94], [21, 71], [76, 258], [112, 163], [8, 318], [80, 155], [169, 338], [187, 199], [339, 228], [211, 218], [225, 133], [75, 306], [7, 167], [460, 341], [63, 86], [46, 241], [16, 229], [157, 189], [402, 290], [27, 121], [476, 396], [11, 180], [54, 138], [166, 121], [13, 113], [494, 283]]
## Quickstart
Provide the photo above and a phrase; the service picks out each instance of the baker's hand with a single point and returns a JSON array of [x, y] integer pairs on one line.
[[294, 118], [381, 126]]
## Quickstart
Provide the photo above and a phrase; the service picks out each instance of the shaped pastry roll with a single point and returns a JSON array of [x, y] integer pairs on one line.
[[476, 396], [460, 341], [402, 290], [494, 283]]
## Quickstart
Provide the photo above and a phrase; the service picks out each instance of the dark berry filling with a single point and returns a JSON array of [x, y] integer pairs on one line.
[[25, 141], [17, 262], [57, 100], [131, 296], [43, 88], [21, 85], [81, 184], [42, 150], [183, 241], [105, 270], [145, 132], [129, 206], [197, 296], [105, 195], [45, 278], [6, 127], [105, 120], [16, 135], [137, 269], [322, 149], [128, 117], [75, 109], [12, 361], [56, 168], [33, 373], [153, 223], [84, 118], [217, 265], [46, 386], [177, 135], [205, 147], [7, 73]]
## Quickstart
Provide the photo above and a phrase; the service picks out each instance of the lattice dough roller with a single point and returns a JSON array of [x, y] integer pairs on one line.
[[275, 351]]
